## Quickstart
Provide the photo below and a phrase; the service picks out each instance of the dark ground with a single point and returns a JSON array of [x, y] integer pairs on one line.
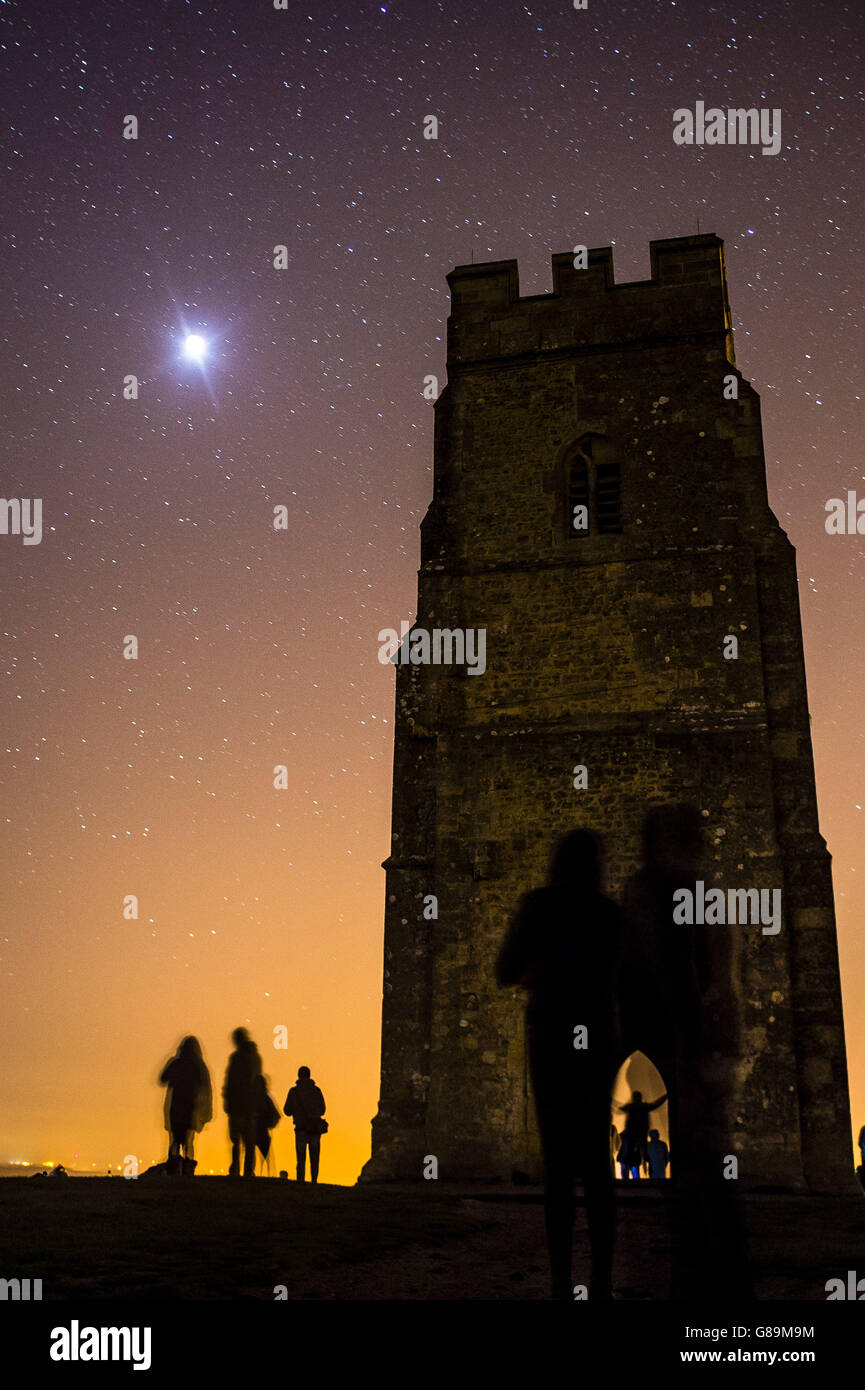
[[210, 1238]]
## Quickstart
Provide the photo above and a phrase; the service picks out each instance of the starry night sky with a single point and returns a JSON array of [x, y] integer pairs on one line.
[[304, 127]]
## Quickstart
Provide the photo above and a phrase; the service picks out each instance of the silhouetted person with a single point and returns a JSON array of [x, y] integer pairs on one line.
[[188, 1104], [267, 1116], [614, 1148], [562, 947], [862, 1144], [636, 1131], [627, 1161], [681, 1006], [659, 1155], [305, 1104], [240, 1099]]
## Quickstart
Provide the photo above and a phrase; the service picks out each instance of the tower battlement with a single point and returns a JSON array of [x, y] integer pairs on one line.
[[685, 299]]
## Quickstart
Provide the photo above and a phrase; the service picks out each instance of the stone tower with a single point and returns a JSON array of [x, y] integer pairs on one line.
[[608, 647]]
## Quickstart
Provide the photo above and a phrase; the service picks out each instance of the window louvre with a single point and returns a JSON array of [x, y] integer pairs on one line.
[[593, 482]]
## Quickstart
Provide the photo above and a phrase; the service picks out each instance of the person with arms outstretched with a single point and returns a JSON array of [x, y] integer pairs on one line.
[[636, 1129]]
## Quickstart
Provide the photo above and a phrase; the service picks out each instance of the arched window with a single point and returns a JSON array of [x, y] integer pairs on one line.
[[593, 486], [639, 1126]]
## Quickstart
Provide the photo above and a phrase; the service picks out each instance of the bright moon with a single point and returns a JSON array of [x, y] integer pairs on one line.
[[194, 347]]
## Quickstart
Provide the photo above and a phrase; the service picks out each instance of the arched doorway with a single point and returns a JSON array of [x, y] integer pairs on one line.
[[638, 1073]]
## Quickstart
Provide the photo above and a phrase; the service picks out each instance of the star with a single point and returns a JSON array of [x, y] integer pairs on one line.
[[194, 347]]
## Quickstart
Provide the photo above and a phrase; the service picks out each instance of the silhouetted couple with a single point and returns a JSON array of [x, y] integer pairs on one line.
[[603, 983]]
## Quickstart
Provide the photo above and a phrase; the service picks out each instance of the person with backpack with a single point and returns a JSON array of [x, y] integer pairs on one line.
[[305, 1104]]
